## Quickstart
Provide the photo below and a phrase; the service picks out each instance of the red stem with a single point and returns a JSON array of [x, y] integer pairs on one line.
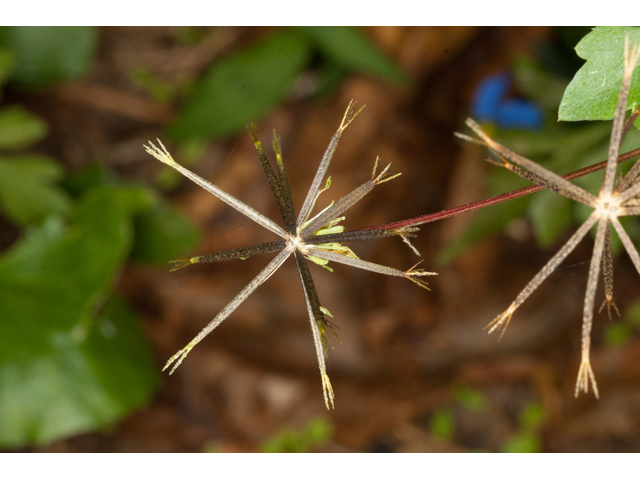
[[469, 207]]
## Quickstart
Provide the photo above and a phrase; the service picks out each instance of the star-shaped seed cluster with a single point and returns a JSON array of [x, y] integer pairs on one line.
[[610, 204], [319, 239]]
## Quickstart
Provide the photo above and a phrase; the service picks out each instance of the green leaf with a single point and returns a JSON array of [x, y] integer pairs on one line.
[[242, 87], [287, 441], [162, 234], [49, 54], [593, 92], [632, 314], [349, 47], [317, 432], [523, 442], [20, 128], [532, 416], [28, 190], [63, 368], [471, 399], [617, 334], [442, 424]]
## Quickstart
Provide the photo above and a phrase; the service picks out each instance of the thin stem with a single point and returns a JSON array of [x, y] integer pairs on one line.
[[627, 124], [469, 207], [289, 218], [337, 209], [276, 188], [410, 274], [634, 171], [346, 202], [317, 320], [560, 184], [556, 260], [241, 253], [628, 244], [502, 320], [537, 179], [165, 157], [585, 374], [262, 277], [607, 275], [351, 236], [630, 59], [349, 115]]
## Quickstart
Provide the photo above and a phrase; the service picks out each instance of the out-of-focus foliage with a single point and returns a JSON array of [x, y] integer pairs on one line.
[[243, 86], [442, 424], [162, 233], [45, 55], [593, 92], [28, 182], [19, 128], [28, 188], [72, 355], [68, 362], [353, 51], [315, 434], [527, 439], [471, 399], [159, 90], [621, 331], [443, 421]]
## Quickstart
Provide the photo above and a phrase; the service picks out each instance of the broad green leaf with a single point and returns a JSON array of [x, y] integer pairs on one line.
[[20, 128], [64, 368], [28, 189], [162, 234], [350, 48], [242, 87], [45, 55], [593, 92]]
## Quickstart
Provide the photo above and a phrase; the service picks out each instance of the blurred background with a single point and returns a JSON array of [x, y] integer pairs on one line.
[[89, 312]]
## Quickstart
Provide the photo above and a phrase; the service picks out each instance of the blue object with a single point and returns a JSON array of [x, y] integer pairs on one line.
[[489, 103]]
